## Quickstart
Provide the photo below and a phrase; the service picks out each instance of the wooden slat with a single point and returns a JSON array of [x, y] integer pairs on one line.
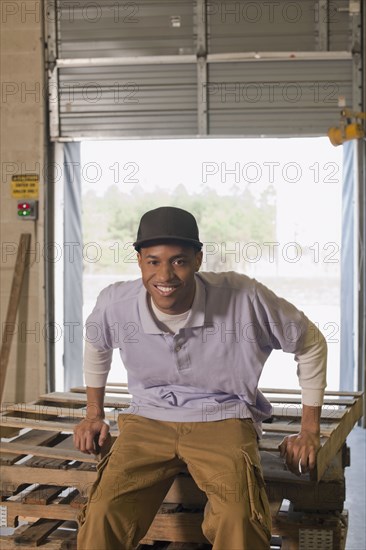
[[297, 401], [44, 494], [47, 452], [80, 398], [33, 437], [51, 511], [298, 392], [78, 501], [57, 411], [281, 427], [290, 412], [37, 532], [117, 401], [58, 426], [18, 474], [19, 422], [185, 525], [108, 389], [21, 265], [48, 463], [296, 412], [339, 434]]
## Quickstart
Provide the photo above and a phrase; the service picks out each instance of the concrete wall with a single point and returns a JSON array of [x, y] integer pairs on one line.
[[23, 139]]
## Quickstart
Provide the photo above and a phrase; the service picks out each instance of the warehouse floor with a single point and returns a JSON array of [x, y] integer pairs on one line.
[[356, 491]]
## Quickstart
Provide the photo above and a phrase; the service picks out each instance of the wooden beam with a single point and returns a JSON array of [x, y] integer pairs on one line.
[[21, 264], [36, 533], [48, 452], [335, 442]]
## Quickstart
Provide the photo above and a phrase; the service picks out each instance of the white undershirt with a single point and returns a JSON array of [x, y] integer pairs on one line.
[[167, 322]]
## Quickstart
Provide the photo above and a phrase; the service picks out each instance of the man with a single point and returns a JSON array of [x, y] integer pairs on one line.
[[194, 345]]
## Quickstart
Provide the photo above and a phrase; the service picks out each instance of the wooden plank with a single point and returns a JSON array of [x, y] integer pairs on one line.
[[108, 389], [37, 437], [291, 412], [47, 452], [57, 411], [44, 494], [47, 463], [46, 410], [58, 426], [32, 437], [80, 398], [298, 392], [51, 511], [39, 425], [21, 266], [19, 474], [117, 401], [296, 400], [187, 546], [281, 427], [339, 434], [180, 527], [78, 501]]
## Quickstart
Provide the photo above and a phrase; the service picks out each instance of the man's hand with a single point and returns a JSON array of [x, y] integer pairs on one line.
[[299, 451], [90, 435]]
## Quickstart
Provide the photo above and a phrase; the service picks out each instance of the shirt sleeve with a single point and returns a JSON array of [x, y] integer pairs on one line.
[[281, 324], [97, 330], [290, 330], [312, 366], [97, 364]]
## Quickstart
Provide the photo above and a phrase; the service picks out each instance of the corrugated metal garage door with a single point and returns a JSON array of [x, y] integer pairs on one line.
[[182, 68]]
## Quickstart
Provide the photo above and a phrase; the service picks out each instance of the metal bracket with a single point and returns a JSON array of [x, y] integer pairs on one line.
[[201, 53], [322, 25]]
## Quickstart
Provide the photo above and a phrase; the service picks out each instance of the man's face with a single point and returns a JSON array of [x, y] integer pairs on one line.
[[167, 272]]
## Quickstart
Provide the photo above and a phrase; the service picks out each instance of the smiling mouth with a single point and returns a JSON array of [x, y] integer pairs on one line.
[[165, 290]]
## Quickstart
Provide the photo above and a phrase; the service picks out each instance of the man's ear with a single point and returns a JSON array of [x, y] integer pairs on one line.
[[139, 259], [199, 256]]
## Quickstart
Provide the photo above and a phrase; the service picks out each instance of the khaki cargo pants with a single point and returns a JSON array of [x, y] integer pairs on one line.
[[134, 477]]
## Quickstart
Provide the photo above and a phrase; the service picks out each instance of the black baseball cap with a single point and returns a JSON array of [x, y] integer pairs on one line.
[[167, 223]]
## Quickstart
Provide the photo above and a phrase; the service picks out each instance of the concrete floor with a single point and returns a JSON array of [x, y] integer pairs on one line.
[[356, 491]]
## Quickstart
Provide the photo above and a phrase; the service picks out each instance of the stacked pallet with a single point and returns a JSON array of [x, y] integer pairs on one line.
[[46, 480]]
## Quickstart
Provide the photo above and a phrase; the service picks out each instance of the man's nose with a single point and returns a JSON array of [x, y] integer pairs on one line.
[[165, 272]]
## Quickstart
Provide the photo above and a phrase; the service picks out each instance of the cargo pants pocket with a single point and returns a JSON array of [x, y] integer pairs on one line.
[[257, 496]]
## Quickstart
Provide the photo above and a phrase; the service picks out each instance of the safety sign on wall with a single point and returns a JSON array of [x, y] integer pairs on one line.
[[25, 186]]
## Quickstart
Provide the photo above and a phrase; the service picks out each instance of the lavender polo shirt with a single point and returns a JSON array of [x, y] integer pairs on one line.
[[210, 369]]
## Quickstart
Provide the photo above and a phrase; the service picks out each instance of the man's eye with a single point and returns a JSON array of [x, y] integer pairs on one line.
[[152, 262], [179, 262]]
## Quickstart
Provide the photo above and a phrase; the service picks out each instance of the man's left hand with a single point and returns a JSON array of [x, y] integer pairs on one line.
[[299, 451]]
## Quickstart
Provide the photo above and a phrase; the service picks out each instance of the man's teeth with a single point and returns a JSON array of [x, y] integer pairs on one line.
[[166, 288]]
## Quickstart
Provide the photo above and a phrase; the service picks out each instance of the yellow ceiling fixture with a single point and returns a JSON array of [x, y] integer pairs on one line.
[[350, 127]]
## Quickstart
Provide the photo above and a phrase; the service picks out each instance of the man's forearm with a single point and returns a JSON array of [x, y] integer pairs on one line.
[[95, 403], [310, 421]]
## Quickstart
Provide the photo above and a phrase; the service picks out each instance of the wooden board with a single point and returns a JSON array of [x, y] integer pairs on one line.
[[21, 266]]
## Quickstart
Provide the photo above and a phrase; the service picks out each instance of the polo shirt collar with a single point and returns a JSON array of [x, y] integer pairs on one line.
[[196, 317]]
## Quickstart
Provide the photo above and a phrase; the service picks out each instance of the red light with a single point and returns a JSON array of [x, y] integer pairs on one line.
[[23, 206]]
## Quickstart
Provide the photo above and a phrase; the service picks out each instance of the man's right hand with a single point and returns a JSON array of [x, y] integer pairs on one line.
[[90, 435]]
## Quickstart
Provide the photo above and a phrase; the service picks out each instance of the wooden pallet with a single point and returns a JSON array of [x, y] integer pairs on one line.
[[291, 532], [43, 476]]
